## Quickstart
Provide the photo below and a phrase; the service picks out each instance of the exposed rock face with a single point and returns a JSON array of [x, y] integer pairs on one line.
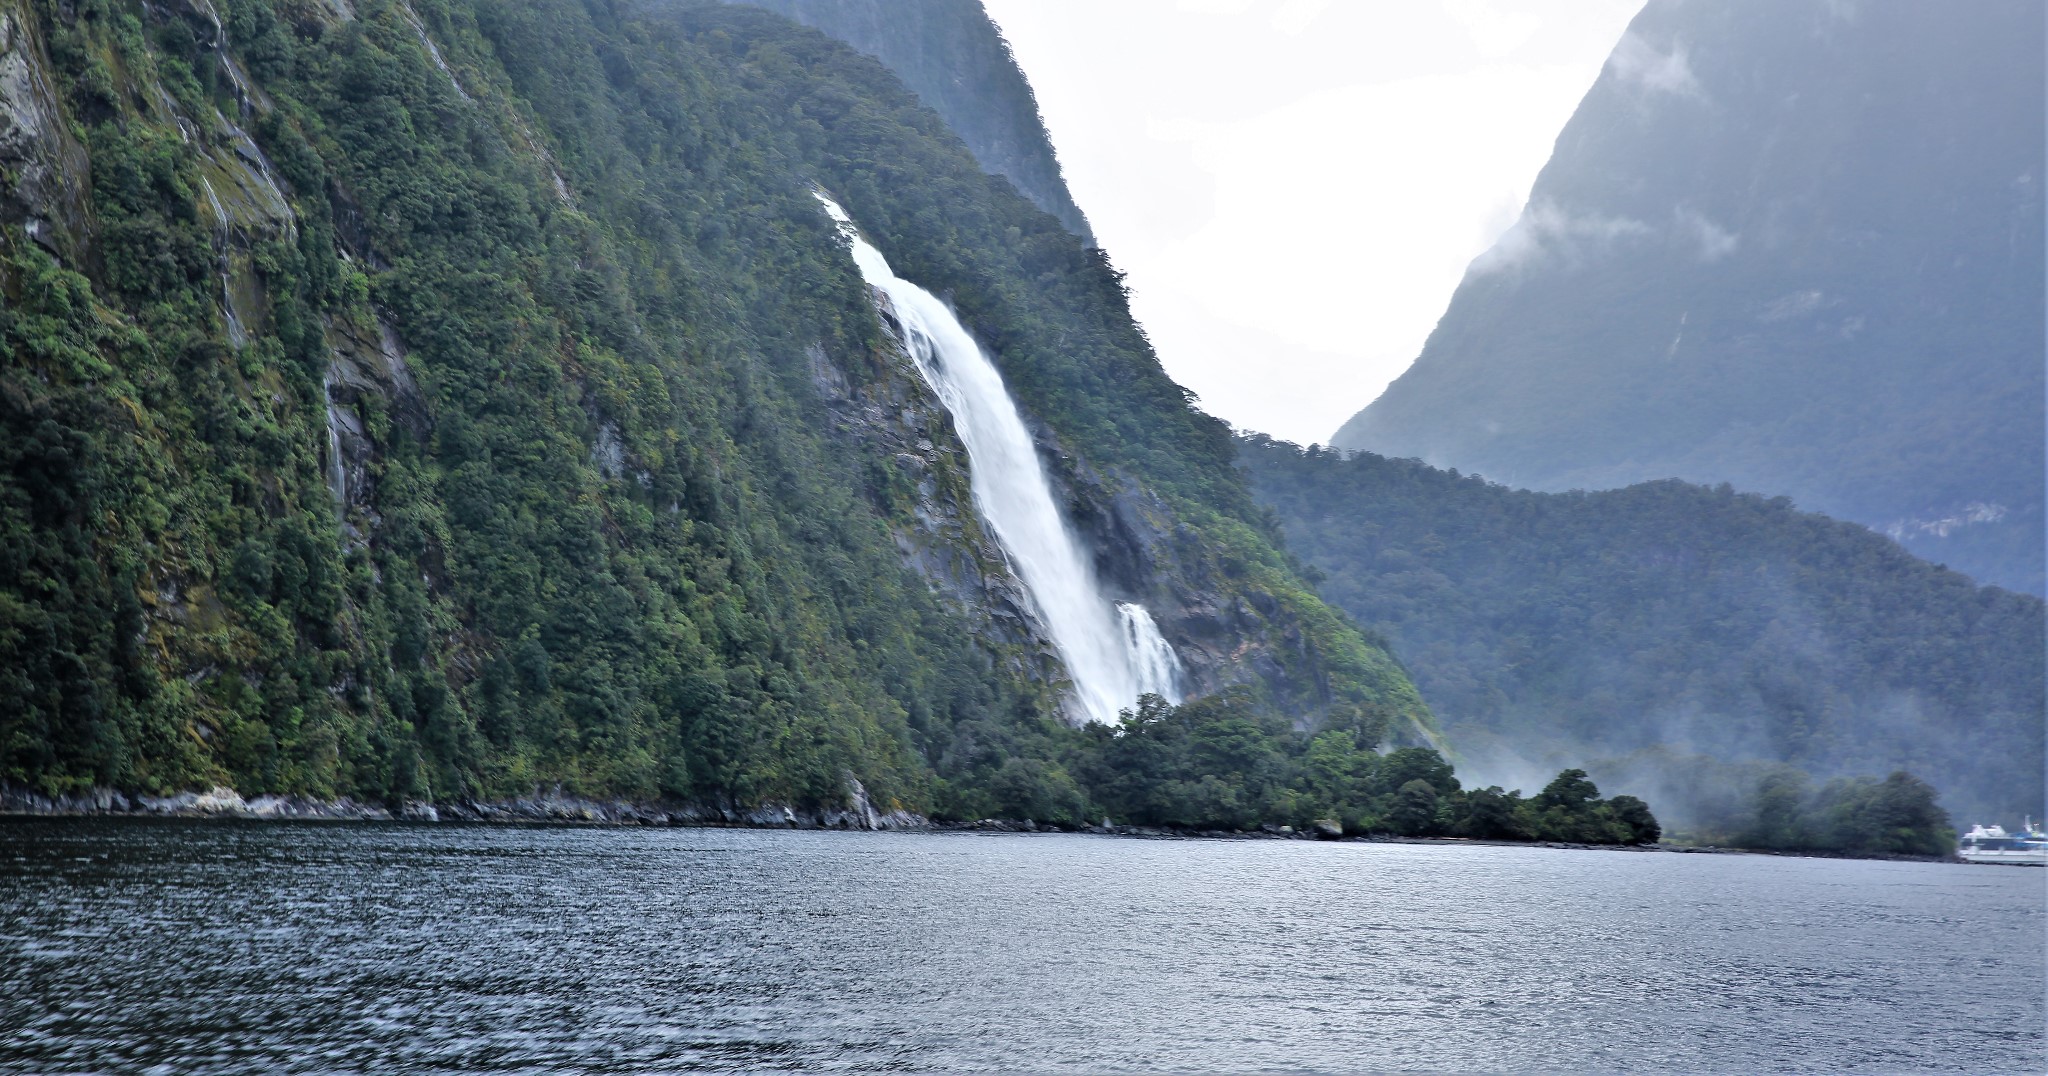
[[1142, 552], [898, 417], [216, 802], [1792, 246], [544, 805], [366, 376], [1226, 634], [42, 168]]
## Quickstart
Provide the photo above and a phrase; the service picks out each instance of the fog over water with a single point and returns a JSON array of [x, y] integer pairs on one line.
[[222, 946]]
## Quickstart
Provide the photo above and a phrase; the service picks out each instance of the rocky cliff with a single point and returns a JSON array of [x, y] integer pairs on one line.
[[1792, 246], [439, 401]]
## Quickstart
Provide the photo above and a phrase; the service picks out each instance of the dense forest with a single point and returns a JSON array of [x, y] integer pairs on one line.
[[438, 400], [956, 61], [1750, 803], [1214, 764], [1791, 245], [1688, 644]]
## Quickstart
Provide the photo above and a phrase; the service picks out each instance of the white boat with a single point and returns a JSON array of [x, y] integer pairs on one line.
[[1992, 844]]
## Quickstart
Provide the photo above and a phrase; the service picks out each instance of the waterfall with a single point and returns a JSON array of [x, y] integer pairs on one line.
[[238, 337], [1152, 657], [337, 468], [1113, 651], [419, 29]]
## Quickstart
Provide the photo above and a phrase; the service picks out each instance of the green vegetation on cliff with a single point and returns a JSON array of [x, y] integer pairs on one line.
[[1664, 626], [954, 58], [468, 423], [1215, 763]]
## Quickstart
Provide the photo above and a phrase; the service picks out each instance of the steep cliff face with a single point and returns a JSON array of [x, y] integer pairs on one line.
[[1796, 247], [46, 193], [956, 61], [436, 400]]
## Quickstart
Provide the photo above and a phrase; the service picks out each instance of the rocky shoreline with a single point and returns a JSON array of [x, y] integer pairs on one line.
[[559, 807], [554, 806], [1269, 832], [1812, 853]]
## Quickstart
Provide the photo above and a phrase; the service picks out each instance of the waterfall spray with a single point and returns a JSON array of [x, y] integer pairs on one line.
[[1113, 650]]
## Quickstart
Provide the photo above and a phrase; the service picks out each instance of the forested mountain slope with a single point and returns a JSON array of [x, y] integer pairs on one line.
[[1670, 621], [437, 400], [1793, 245], [956, 61]]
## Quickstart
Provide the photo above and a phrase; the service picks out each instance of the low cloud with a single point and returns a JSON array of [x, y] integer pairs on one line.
[[1976, 512], [1547, 229], [1791, 305], [1715, 242], [1639, 63]]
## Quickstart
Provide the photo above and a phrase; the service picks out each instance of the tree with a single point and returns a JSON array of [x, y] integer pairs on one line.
[[1493, 815], [1634, 816], [1570, 790], [1414, 810]]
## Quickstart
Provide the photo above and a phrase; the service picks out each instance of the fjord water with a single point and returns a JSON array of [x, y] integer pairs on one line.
[[1113, 650], [237, 946]]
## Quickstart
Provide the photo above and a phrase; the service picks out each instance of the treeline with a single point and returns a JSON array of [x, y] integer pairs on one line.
[[1558, 629], [1858, 815], [1772, 806], [1216, 764], [954, 58]]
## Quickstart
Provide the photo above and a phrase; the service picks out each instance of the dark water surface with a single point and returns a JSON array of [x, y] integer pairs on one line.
[[173, 946]]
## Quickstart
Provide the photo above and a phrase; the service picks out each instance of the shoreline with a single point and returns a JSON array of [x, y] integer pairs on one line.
[[559, 808], [549, 807]]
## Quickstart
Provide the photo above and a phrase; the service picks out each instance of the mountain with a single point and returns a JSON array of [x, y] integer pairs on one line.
[[956, 61], [1793, 246], [1676, 640], [448, 399]]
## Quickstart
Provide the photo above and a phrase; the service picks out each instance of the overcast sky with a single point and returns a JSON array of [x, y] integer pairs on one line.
[[1296, 186]]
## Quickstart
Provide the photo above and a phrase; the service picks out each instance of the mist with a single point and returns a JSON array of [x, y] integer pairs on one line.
[[1295, 190]]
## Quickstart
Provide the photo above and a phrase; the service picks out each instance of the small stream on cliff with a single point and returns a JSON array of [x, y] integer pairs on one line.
[[1113, 650]]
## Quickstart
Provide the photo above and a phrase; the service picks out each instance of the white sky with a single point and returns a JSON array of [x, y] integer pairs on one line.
[[1295, 186]]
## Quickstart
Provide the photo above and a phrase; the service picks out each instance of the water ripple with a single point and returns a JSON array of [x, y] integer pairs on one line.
[[322, 947]]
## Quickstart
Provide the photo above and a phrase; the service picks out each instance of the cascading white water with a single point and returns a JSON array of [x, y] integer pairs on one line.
[[433, 51], [1151, 656], [238, 337], [337, 468], [1113, 650]]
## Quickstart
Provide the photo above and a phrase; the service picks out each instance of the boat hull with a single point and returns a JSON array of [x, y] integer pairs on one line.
[[2016, 857]]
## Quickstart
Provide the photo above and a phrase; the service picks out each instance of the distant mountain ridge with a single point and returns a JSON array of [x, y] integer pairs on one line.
[[1670, 625], [1792, 246], [955, 59]]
